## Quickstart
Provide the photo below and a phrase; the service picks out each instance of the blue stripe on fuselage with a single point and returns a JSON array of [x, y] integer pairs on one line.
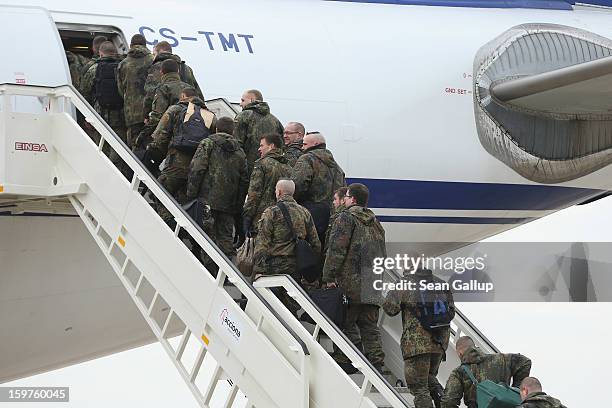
[[530, 4], [446, 195], [451, 220]]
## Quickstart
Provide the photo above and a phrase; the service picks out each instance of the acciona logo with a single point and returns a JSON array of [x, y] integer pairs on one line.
[[233, 327]]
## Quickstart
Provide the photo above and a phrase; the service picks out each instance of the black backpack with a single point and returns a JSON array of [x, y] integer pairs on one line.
[[191, 132], [107, 92], [433, 309], [307, 260]]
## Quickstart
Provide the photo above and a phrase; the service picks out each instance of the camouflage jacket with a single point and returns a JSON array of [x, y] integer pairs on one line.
[[154, 77], [293, 151], [332, 218], [415, 339], [253, 122], [76, 62], [86, 65], [275, 239], [131, 76], [169, 125], [167, 94], [217, 174], [317, 176], [114, 118], [356, 238], [541, 400], [262, 186], [495, 367]]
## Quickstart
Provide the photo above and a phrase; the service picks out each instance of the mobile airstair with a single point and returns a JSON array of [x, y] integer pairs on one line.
[[259, 357]]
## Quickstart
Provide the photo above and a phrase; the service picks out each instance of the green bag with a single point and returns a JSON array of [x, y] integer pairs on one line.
[[491, 395]]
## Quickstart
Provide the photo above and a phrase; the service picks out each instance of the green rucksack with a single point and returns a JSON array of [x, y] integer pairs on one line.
[[491, 395]]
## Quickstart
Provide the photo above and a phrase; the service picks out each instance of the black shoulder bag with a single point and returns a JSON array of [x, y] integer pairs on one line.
[[308, 261]]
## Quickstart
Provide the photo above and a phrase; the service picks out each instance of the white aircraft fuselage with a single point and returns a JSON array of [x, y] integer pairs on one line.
[[390, 86]]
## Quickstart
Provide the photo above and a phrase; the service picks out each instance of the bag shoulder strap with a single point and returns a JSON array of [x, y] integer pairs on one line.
[[182, 71], [469, 373], [287, 218]]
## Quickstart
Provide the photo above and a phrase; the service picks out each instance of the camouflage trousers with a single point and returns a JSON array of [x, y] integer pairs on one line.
[[421, 371], [222, 234], [174, 179], [177, 187], [361, 327]]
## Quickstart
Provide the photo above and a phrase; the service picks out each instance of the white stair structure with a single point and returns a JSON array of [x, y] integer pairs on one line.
[[263, 353]]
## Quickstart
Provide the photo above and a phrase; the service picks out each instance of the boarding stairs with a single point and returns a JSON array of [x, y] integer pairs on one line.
[[261, 356]]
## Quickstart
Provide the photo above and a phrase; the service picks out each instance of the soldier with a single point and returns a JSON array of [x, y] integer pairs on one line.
[[270, 168], [338, 208], [317, 175], [252, 123], [95, 49], [423, 348], [99, 87], [168, 90], [495, 367], [162, 52], [217, 174], [175, 139], [131, 76], [275, 246], [355, 239], [293, 135], [533, 397], [76, 62]]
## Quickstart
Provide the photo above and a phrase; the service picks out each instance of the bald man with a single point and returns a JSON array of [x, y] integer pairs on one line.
[[275, 246], [252, 123], [496, 367], [533, 397], [317, 176]]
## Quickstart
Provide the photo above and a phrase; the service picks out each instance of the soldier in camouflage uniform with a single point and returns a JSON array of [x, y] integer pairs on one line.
[[267, 171], [495, 367], [275, 246], [166, 95], [293, 137], [252, 123], [174, 176], [339, 206], [355, 239], [533, 397], [217, 174], [76, 62], [112, 115], [95, 49], [423, 350], [317, 176], [162, 52], [131, 75]]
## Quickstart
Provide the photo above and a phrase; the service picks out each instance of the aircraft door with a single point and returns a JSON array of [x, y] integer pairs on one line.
[[33, 53]]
